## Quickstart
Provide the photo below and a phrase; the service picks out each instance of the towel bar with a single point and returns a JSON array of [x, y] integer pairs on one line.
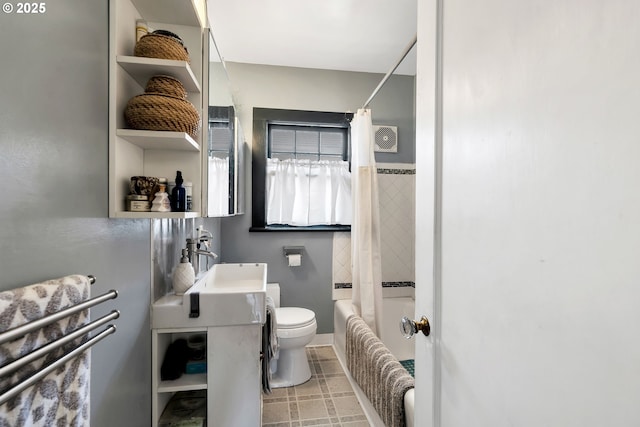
[[17, 332], [34, 355], [15, 390]]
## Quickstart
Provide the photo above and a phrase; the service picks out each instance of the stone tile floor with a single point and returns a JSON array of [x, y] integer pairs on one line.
[[327, 399]]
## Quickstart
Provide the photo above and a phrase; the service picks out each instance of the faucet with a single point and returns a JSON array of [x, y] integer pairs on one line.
[[194, 252]]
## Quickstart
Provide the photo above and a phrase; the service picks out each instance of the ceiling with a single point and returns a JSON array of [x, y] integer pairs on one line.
[[350, 35]]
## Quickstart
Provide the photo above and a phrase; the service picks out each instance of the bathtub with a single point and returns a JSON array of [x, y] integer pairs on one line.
[[403, 349]]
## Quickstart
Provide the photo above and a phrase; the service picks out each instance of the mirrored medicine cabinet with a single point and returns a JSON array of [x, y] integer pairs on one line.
[[225, 143]]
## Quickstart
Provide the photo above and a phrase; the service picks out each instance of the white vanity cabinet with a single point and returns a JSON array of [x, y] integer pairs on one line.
[[164, 390], [232, 381], [154, 153]]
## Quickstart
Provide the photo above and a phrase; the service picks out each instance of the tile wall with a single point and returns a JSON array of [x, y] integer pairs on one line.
[[396, 184]]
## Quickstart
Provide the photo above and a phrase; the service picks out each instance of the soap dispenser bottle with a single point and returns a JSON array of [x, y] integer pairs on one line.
[[183, 276], [178, 195]]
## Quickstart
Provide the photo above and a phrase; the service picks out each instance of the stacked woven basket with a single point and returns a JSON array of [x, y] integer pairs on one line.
[[161, 44], [163, 106]]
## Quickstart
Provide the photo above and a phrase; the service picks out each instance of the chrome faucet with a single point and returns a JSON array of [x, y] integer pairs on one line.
[[194, 252]]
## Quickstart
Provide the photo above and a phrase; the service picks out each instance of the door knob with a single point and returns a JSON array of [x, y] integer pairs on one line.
[[409, 327]]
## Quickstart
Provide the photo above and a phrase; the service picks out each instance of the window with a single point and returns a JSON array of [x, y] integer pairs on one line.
[[311, 142], [300, 171]]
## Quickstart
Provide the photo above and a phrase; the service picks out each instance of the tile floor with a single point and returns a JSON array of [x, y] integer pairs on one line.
[[327, 399]]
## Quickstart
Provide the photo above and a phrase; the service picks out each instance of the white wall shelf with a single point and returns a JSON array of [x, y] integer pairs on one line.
[[185, 383], [159, 140], [143, 215], [134, 152], [162, 391], [180, 12], [142, 69]]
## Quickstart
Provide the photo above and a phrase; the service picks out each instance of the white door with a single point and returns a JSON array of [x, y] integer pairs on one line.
[[529, 266]]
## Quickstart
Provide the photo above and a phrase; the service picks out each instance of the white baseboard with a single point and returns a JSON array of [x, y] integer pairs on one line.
[[322, 339]]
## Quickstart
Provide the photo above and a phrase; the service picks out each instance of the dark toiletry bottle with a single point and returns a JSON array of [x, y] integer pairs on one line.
[[178, 195]]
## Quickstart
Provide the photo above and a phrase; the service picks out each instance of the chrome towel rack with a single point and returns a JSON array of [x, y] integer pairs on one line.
[[17, 332], [22, 330]]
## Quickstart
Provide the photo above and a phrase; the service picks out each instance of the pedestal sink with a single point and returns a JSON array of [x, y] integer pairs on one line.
[[227, 295]]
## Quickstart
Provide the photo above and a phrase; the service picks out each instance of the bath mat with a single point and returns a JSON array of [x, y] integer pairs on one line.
[[409, 365]]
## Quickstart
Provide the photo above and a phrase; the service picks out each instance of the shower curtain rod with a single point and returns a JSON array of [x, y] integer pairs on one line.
[[386, 77]]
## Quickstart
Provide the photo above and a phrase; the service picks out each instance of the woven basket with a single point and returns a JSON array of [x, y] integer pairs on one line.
[[161, 46], [155, 111], [167, 85]]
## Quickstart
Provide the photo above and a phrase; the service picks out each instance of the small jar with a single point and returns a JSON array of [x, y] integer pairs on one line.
[[137, 203], [142, 29], [197, 345]]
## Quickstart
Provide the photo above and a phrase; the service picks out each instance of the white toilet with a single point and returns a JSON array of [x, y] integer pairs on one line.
[[296, 328]]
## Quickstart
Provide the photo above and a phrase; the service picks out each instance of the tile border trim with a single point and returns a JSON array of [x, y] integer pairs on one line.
[[384, 285], [388, 171]]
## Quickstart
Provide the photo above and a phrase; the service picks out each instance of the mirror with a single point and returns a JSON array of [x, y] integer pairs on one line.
[[225, 150]]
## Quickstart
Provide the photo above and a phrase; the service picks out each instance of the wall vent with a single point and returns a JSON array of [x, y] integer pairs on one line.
[[385, 138]]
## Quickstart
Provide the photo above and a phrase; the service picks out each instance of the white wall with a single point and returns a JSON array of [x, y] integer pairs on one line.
[[537, 292]]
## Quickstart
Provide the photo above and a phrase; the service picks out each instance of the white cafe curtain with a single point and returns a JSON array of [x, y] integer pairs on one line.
[[218, 186], [305, 192], [365, 229]]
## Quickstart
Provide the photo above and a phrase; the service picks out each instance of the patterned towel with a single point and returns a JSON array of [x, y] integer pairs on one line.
[[62, 397], [378, 373], [269, 344]]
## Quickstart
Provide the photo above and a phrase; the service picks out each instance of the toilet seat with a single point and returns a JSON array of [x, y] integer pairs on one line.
[[295, 322], [294, 317]]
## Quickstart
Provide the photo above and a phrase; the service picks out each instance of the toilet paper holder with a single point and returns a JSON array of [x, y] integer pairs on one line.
[[293, 250], [293, 254]]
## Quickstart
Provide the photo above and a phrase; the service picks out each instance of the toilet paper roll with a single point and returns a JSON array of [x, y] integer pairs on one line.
[[295, 260]]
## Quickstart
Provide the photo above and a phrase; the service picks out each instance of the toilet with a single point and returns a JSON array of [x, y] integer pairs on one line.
[[296, 328]]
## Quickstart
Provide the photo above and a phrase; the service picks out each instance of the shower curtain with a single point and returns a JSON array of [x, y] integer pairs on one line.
[[365, 228]]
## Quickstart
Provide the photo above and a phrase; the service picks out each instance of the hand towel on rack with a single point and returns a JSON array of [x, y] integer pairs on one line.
[[269, 344], [62, 397]]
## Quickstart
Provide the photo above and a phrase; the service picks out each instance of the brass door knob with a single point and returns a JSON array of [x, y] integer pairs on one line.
[[409, 327]]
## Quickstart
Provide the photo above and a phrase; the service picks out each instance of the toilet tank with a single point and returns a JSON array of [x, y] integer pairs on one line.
[[273, 291]]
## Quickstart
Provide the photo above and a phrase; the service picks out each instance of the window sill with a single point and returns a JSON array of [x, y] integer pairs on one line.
[[270, 228]]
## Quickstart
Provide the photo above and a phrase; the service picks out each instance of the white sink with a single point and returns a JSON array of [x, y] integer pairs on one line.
[[228, 294], [235, 278]]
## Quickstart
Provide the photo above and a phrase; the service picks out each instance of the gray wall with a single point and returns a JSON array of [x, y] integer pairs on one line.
[[317, 90], [54, 172]]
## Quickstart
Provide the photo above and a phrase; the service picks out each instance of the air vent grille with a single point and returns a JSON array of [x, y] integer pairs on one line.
[[386, 138]]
